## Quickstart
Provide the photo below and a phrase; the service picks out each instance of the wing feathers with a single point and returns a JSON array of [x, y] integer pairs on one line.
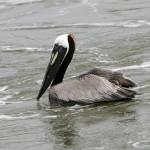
[[113, 76], [90, 88]]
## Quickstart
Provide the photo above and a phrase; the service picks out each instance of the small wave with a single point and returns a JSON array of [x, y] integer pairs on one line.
[[142, 144], [107, 62], [3, 99], [99, 148], [3, 88], [39, 82], [143, 65], [37, 27], [2, 102], [125, 24], [13, 102], [136, 144], [54, 116], [22, 49], [16, 2], [7, 117], [77, 108], [2, 7], [6, 97], [34, 27], [142, 87]]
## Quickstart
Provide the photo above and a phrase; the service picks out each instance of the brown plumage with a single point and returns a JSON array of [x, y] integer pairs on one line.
[[115, 77], [89, 88], [97, 85]]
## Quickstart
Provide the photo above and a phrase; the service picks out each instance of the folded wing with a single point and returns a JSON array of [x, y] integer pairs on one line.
[[113, 76], [89, 88]]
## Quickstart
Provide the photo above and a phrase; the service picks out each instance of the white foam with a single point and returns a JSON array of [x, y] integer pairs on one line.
[[13, 102], [5, 97], [126, 24], [132, 25], [136, 144], [3, 88], [143, 65], [32, 49], [107, 62], [92, 24], [15, 2], [142, 144], [39, 82], [54, 116], [2, 102], [7, 117], [142, 87]]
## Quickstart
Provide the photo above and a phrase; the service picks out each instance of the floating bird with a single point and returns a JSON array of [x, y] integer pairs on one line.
[[97, 85]]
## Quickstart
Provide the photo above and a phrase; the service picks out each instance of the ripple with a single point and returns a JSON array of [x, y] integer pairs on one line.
[[3, 88], [143, 65], [125, 24], [6, 97], [22, 49], [16, 2], [142, 87], [98, 148], [2, 7], [107, 61], [2, 102], [39, 82], [7, 117], [142, 144], [54, 116]]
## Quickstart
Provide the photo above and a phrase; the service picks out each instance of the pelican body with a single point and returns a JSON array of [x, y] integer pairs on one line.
[[97, 85]]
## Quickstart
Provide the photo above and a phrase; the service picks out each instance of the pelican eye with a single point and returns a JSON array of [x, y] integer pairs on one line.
[[56, 45]]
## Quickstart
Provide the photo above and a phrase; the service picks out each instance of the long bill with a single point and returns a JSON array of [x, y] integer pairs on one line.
[[57, 57]]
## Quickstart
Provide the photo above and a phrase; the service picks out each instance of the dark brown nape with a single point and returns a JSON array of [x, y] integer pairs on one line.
[[72, 41], [61, 72]]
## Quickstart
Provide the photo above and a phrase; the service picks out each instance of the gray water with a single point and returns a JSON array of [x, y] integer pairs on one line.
[[112, 34]]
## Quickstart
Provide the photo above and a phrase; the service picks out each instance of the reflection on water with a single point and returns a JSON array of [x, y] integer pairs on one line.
[[63, 127], [68, 128]]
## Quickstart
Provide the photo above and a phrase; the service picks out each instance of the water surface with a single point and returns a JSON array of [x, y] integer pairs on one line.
[[112, 34]]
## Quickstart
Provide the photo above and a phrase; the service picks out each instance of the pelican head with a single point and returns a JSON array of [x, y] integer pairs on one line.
[[61, 56]]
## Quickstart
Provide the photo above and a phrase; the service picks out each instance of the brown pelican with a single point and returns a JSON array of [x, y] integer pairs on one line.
[[97, 85]]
